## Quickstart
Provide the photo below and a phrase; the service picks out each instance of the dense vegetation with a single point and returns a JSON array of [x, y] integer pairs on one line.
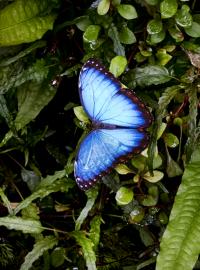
[[145, 214]]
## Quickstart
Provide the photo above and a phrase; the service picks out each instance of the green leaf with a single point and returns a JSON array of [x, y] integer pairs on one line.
[[32, 98], [124, 196], [193, 30], [163, 57], [20, 22], [193, 132], [103, 7], [152, 198], [123, 169], [180, 245], [118, 65], [149, 75], [176, 33], [157, 176], [38, 249], [152, 2], [171, 140], [126, 36], [114, 35], [23, 53], [183, 16], [81, 114], [95, 231], [137, 214], [91, 198], [173, 169], [87, 247], [168, 8], [21, 224], [83, 22], [5, 113], [127, 11], [44, 190], [58, 256], [156, 38], [91, 33], [154, 26]]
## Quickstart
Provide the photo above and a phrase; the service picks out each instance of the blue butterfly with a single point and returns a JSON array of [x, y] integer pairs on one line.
[[119, 119]]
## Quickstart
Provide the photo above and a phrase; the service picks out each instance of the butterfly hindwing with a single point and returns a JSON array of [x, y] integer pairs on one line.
[[102, 149], [105, 101]]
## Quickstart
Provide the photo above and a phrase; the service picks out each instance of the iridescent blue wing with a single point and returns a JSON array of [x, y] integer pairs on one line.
[[102, 149], [106, 102]]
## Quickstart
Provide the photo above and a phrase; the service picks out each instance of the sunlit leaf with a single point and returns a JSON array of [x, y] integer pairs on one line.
[[127, 11]]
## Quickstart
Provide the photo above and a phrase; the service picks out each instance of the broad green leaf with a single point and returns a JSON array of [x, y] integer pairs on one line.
[[22, 22], [32, 98], [95, 231], [103, 7], [91, 198], [43, 191], [39, 248], [127, 11], [81, 114], [193, 30], [139, 162], [183, 16], [126, 36], [118, 65], [21, 224], [114, 35], [87, 247], [149, 75], [124, 196], [91, 33], [154, 26], [180, 246], [168, 8]]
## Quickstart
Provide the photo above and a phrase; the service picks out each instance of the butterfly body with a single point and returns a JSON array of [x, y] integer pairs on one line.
[[119, 120]]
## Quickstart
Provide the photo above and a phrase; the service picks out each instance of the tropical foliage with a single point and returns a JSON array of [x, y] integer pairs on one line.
[[145, 214]]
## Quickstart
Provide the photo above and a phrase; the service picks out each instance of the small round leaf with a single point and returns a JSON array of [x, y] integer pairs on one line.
[[123, 169], [126, 36], [193, 30], [168, 8], [171, 140], [91, 33], [127, 11], [80, 114], [154, 26], [124, 196], [103, 7], [118, 65], [156, 177]]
